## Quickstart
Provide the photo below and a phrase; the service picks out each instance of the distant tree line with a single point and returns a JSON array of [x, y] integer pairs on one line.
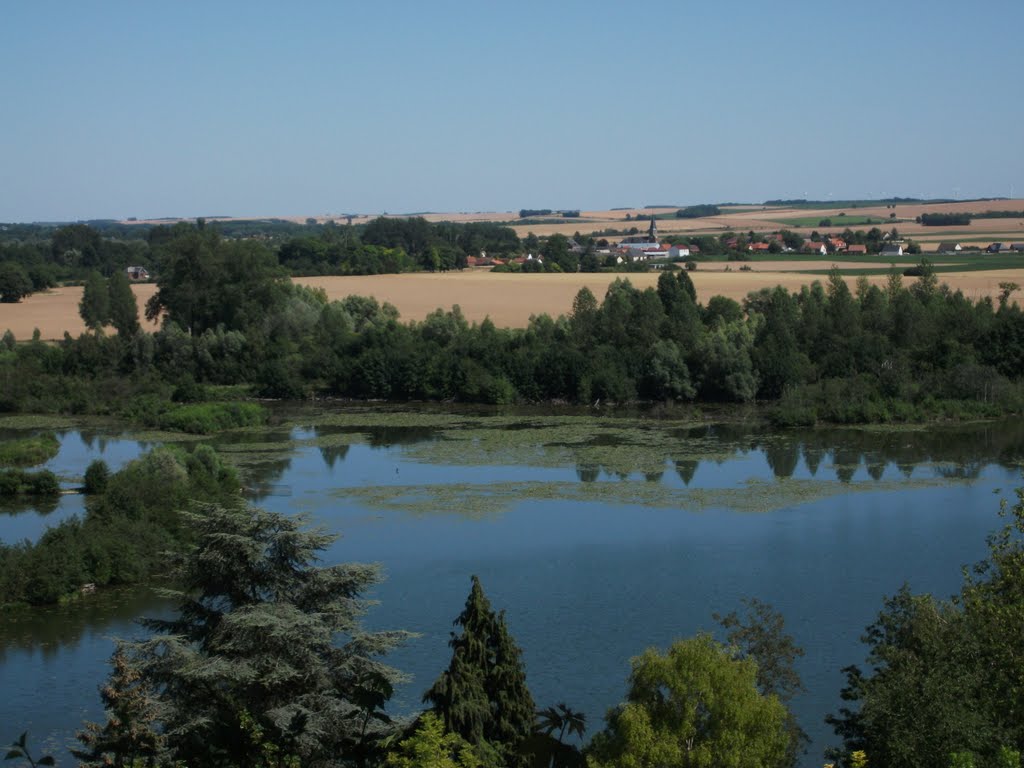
[[525, 213], [803, 202], [943, 219], [999, 215], [34, 258], [697, 211]]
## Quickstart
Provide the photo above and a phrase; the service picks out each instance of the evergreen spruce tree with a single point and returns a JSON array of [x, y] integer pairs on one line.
[[124, 309], [95, 304], [264, 641], [483, 696]]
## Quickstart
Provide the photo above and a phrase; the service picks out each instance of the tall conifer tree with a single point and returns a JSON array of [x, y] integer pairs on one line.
[[95, 304], [124, 309], [266, 640], [483, 696]]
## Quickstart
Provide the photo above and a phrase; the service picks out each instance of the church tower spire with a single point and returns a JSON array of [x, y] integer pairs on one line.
[[652, 231]]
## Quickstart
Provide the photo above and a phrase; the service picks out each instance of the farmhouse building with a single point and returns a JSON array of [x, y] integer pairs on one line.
[[137, 273], [679, 251], [892, 250], [857, 249], [637, 243], [949, 247], [812, 247]]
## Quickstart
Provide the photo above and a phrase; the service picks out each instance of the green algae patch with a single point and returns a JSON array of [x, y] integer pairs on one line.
[[281, 447], [376, 419], [618, 445], [39, 421], [615, 450], [479, 500], [161, 436]]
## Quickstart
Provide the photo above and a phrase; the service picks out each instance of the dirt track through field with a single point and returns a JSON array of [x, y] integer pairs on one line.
[[508, 299]]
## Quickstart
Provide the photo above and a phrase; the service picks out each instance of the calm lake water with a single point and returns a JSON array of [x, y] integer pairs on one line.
[[595, 547]]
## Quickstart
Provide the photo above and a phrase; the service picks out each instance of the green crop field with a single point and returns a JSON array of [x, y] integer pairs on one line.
[[838, 221], [940, 264]]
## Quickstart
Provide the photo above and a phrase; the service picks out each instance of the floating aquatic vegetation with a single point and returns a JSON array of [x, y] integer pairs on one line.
[[162, 437], [476, 500], [39, 421]]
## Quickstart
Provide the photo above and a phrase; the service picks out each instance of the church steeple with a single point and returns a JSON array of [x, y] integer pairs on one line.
[[652, 231]]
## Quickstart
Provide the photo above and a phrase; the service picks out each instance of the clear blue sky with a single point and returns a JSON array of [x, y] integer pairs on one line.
[[148, 109]]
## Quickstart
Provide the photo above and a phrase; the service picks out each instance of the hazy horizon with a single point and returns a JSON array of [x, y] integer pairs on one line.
[[514, 213], [120, 110]]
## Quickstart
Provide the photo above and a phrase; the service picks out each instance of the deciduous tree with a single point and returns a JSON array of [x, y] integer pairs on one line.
[[695, 706], [124, 309], [95, 304]]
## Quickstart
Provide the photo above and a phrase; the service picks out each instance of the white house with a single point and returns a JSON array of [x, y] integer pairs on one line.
[[137, 273], [679, 251]]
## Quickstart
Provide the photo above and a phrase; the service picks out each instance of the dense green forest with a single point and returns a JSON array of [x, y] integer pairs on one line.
[[232, 318]]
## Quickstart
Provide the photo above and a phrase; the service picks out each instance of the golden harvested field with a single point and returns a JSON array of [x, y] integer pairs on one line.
[[56, 311], [508, 299]]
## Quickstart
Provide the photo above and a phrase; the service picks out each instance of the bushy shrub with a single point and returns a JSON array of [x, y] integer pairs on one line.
[[96, 477], [18, 482], [207, 418]]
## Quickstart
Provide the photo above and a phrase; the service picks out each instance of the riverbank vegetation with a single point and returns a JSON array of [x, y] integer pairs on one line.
[[133, 518], [28, 451]]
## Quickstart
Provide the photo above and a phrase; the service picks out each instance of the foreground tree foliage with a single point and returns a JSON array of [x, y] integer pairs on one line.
[[482, 696], [431, 747], [695, 706], [552, 752], [760, 635], [945, 676], [130, 736], [263, 639]]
